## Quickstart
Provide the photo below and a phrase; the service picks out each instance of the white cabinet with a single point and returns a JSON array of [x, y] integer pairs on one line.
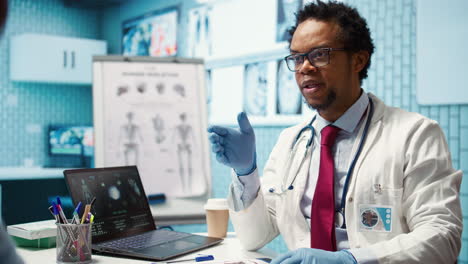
[[45, 58]]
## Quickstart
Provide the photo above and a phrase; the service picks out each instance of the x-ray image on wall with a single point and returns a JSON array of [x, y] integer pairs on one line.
[[199, 41], [285, 17], [288, 96], [209, 87], [152, 34], [255, 89]]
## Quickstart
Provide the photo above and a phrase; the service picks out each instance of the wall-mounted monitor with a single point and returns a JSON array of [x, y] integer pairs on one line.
[[153, 34], [71, 140]]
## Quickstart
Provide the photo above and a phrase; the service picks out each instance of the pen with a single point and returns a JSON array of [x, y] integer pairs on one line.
[[88, 218], [196, 259], [51, 210], [85, 213], [87, 209], [62, 214], [76, 217], [267, 260], [92, 201], [55, 212]]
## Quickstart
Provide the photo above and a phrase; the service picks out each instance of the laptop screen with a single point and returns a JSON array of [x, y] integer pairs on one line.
[[121, 207]]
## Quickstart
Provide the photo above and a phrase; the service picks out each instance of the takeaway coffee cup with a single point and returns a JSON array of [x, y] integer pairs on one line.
[[217, 216]]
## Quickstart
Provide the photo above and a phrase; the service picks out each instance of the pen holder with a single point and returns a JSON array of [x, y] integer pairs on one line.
[[73, 243]]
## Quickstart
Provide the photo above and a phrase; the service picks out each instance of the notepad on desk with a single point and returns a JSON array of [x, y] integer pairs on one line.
[[39, 234]]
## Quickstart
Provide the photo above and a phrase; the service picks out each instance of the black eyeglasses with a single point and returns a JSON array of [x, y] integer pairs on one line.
[[317, 57]]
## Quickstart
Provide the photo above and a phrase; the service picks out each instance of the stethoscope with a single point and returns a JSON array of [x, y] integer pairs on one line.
[[339, 214]]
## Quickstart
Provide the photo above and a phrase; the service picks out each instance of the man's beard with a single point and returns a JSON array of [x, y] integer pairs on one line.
[[331, 97]]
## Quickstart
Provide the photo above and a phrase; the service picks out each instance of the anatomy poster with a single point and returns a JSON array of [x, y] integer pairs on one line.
[[154, 117]]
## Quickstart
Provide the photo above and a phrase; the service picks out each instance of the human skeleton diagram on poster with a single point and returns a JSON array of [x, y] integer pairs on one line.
[[158, 125], [179, 89], [141, 91], [160, 88], [153, 120], [184, 136], [141, 88], [130, 139], [123, 89]]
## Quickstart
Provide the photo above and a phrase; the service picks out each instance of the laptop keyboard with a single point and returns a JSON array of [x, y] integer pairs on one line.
[[145, 240]]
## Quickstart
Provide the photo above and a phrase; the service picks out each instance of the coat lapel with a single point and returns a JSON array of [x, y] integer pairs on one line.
[[372, 136]]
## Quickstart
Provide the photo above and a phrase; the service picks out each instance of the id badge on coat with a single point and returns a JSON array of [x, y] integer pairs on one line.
[[376, 218]]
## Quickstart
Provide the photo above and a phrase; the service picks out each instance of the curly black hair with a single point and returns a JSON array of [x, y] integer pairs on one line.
[[354, 33], [3, 13]]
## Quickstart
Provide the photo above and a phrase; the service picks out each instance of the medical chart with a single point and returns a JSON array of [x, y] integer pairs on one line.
[[153, 117]]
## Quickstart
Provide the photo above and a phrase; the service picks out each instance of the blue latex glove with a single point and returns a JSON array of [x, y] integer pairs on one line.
[[315, 256], [235, 147]]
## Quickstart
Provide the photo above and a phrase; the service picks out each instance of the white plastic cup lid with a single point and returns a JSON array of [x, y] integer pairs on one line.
[[216, 204]]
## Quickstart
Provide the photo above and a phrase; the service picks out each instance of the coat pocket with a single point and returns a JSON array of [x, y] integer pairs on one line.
[[388, 196], [378, 216]]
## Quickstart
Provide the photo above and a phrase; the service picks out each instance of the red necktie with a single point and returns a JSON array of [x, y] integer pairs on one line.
[[322, 228]]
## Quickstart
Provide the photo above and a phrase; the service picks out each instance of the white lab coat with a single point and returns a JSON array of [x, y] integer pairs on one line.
[[406, 156]]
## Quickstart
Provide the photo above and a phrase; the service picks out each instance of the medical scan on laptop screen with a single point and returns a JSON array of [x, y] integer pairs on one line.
[[121, 206]]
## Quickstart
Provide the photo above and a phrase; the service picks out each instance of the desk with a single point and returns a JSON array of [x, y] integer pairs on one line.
[[229, 249]]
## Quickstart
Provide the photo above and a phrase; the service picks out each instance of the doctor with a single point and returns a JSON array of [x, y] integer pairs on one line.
[[358, 182], [7, 250]]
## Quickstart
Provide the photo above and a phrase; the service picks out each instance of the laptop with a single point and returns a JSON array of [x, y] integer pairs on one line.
[[124, 225]]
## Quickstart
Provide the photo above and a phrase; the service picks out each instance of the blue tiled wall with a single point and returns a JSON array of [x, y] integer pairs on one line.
[[26, 109]]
